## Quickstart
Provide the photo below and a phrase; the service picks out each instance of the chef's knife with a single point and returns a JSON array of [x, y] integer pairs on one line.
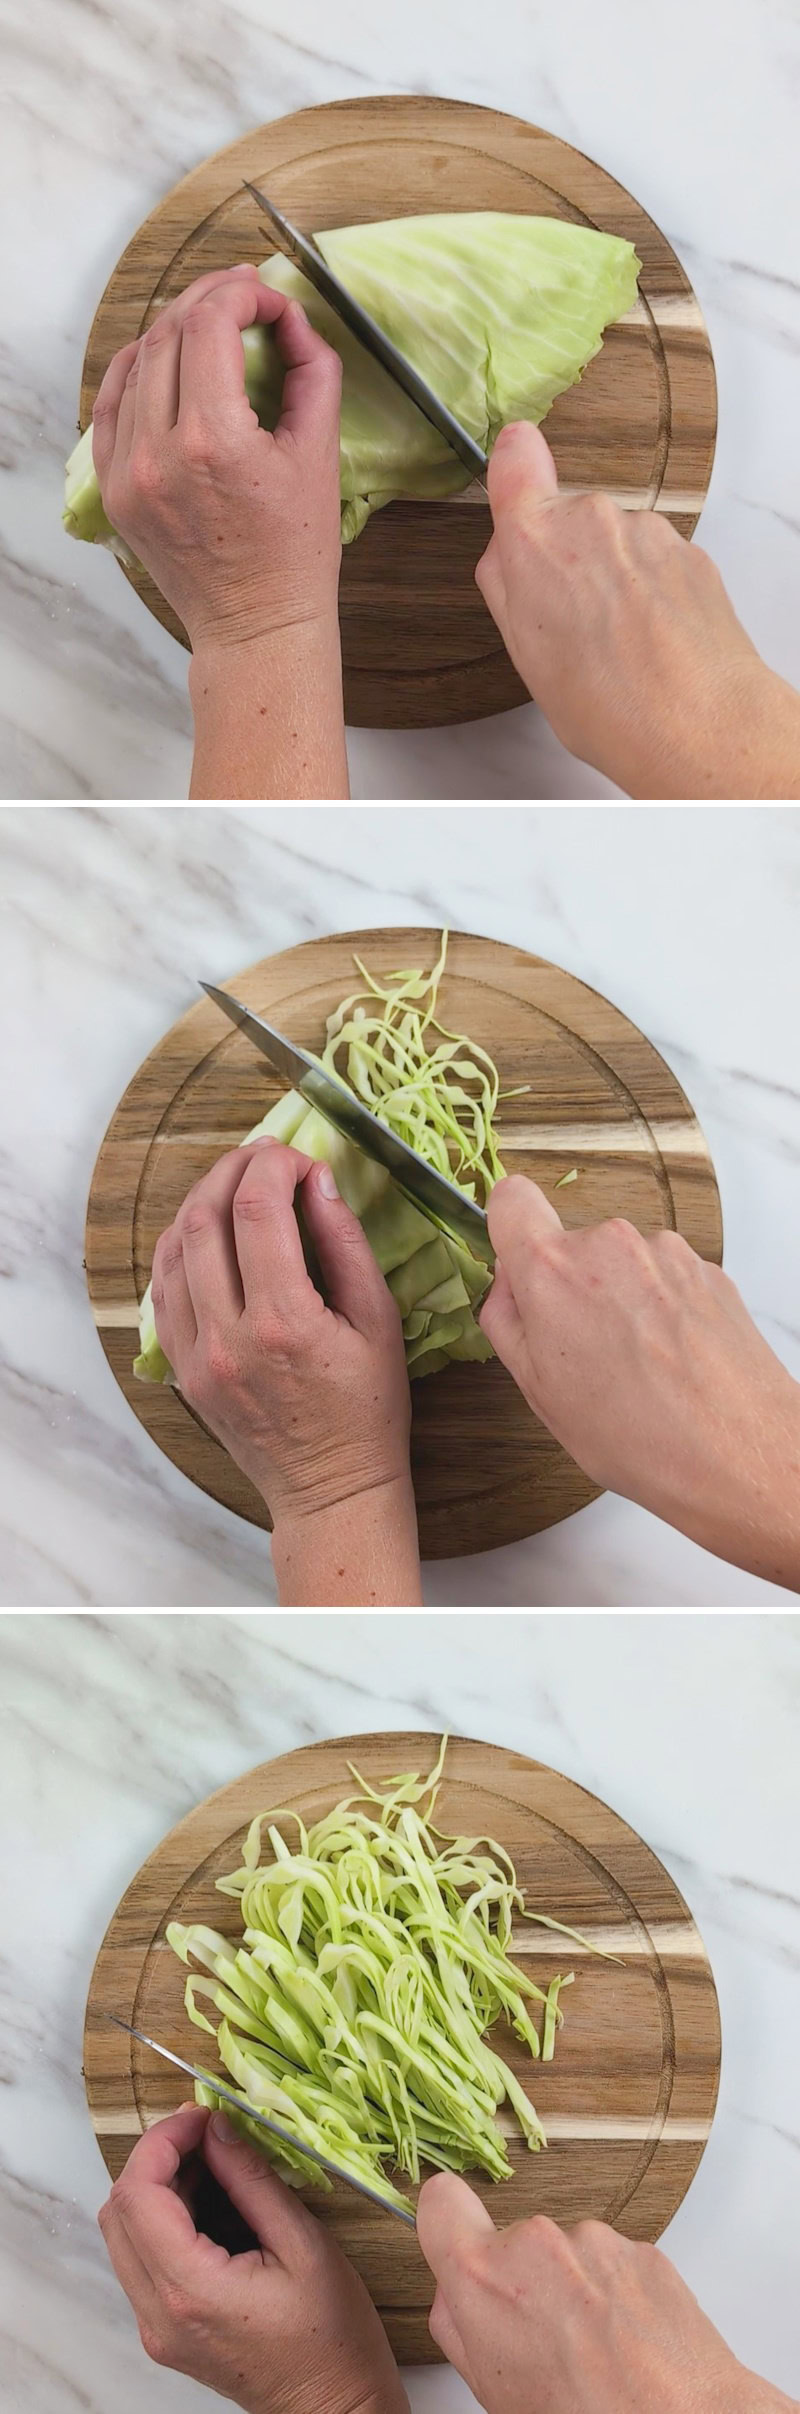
[[309, 260], [208, 2079], [440, 1200]]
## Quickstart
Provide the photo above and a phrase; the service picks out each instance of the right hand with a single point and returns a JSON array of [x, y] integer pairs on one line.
[[626, 638], [540, 2320], [643, 1362], [239, 528]]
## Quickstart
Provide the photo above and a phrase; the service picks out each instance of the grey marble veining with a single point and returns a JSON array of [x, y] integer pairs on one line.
[[686, 919], [105, 108], [112, 1728]]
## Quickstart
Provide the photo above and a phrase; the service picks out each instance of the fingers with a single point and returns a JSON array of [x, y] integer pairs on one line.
[[175, 1320], [521, 470], [273, 2212], [522, 1222], [144, 2223], [269, 1250], [451, 2224], [499, 1318], [312, 389], [156, 381], [211, 355], [354, 1285], [491, 583], [205, 1228], [447, 2336], [106, 409]]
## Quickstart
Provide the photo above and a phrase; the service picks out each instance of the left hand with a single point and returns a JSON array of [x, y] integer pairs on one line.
[[311, 1400], [287, 2328], [239, 528]]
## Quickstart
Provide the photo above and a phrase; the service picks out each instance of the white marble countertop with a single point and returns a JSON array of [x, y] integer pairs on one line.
[[105, 109], [685, 917], [113, 1728]]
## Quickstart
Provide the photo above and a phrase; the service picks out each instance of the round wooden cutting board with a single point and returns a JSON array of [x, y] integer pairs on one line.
[[419, 646], [599, 1099], [628, 2101]]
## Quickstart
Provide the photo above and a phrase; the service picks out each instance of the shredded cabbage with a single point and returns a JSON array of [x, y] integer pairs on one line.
[[373, 1961], [440, 1092], [500, 313]]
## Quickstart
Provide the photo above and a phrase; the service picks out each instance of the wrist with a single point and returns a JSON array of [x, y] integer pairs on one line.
[[230, 650], [360, 1549]]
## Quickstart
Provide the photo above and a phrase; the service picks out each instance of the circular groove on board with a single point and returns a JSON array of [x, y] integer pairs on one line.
[[486, 1472], [627, 2103], [420, 649]]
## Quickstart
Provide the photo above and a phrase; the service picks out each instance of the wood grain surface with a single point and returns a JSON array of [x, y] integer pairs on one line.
[[419, 646], [627, 2103], [599, 1098]]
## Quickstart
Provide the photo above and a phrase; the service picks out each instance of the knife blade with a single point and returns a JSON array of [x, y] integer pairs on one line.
[[207, 2078], [437, 1198], [309, 260]]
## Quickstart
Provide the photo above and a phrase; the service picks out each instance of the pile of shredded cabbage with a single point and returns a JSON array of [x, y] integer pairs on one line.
[[374, 1959], [440, 1092]]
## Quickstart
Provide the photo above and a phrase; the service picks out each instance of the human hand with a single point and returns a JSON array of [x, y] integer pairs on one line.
[[286, 2328], [540, 2320], [311, 1400], [645, 1364], [238, 527], [626, 638]]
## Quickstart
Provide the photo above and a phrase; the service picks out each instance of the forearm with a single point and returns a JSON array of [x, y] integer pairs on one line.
[[269, 716], [361, 1554], [743, 1498], [748, 746]]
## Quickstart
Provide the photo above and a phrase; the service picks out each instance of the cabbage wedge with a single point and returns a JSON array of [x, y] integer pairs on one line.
[[440, 1092], [498, 313]]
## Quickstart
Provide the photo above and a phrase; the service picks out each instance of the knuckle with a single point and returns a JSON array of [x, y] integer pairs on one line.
[[218, 1370], [199, 445], [252, 1206], [543, 2234], [169, 1253], [601, 512], [154, 2344], [145, 473], [176, 2305], [197, 1217]]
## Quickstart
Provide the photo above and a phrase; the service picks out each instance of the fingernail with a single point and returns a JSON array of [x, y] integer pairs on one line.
[[249, 265], [326, 1184], [264, 1140], [223, 2129]]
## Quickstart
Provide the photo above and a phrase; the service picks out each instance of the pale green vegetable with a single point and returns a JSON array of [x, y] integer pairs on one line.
[[374, 1958], [440, 1092], [500, 313]]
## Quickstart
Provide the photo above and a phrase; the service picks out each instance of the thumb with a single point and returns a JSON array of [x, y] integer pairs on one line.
[[271, 2209], [521, 470], [451, 2224], [354, 1284]]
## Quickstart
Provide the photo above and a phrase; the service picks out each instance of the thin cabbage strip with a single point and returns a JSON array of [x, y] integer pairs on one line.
[[358, 2003]]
